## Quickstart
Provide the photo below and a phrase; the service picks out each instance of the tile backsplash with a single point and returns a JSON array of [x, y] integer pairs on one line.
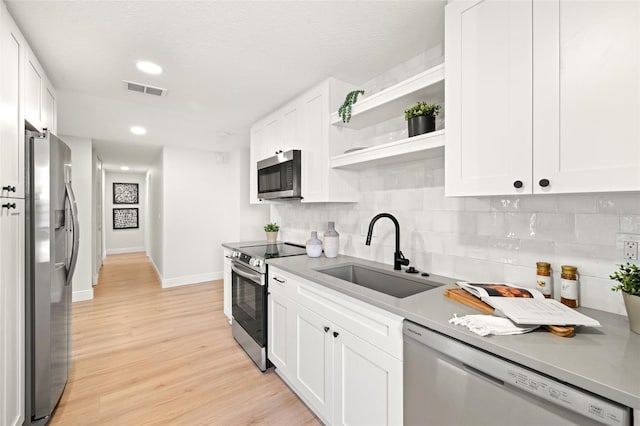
[[484, 238]]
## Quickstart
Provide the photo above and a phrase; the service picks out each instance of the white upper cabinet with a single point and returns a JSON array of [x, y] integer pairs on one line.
[[11, 120], [33, 92], [39, 95], [586, 118], [49, 110], [290, 128], [488, 97], [542, 97], [305, 124]]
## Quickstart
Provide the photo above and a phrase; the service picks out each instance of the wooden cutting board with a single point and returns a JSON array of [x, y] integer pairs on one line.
[[464, 297]]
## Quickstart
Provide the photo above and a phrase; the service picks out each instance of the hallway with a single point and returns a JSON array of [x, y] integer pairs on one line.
[[147, 355]]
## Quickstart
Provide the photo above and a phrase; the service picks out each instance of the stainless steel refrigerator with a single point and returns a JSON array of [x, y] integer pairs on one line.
[[52, 252]]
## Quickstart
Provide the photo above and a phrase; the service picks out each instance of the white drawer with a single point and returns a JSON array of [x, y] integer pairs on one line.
[[283, 283]]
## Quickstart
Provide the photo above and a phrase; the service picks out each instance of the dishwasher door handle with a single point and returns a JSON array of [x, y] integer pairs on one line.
[[482, 374]]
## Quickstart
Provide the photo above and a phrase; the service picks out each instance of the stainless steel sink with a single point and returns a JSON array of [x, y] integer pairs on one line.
[[393, 283]]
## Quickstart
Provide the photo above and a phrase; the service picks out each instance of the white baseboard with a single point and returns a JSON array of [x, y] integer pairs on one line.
[[125, 250], [95, 278], [80, 295], [192, 279], [156, 268]]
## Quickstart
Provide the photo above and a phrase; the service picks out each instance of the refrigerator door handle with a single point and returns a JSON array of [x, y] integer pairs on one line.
[[76, 234]]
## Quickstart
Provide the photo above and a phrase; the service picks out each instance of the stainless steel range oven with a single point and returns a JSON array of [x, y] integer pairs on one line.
[[249, 296]]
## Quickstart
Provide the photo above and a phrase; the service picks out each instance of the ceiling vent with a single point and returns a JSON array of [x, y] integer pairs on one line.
[[143, 88]]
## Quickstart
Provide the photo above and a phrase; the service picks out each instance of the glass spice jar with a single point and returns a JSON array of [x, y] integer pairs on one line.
[[543, 278], [569, 286]]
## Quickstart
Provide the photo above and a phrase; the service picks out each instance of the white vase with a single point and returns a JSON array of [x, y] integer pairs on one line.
[[314, 245], [632, 304], [331, 241]]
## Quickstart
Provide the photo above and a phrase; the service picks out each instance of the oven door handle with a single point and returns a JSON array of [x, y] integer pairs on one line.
[[253, 277]]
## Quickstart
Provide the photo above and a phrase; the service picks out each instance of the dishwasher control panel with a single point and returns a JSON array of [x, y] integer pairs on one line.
[[578, 401]]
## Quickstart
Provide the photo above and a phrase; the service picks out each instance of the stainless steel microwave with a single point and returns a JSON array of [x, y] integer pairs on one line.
[[279, 176]]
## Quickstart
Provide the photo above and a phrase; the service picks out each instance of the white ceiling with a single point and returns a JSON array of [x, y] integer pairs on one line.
[[226, 63]]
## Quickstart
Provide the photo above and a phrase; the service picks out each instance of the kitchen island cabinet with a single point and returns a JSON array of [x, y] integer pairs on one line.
[[542, 97], [317, 343]]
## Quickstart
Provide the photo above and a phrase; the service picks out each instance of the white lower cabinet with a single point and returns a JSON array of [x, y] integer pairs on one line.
[[343, 378], [367, 383], [12, 315], [314, 356]]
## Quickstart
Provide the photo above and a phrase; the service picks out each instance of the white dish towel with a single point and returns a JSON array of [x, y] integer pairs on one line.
[[485, 325]]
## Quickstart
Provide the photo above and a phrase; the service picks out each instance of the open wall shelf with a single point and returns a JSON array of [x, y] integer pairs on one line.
[[391, 102], [418, 147]]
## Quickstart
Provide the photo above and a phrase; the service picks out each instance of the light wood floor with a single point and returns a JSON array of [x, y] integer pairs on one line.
[[147, 355]]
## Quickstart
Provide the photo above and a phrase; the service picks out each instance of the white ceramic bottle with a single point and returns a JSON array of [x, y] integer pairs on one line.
[[331, 241], [314, 245]]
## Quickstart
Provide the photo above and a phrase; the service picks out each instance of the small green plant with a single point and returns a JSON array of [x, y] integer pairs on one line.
[[629, 278], [271, 227], [345, 110], [422, 108]]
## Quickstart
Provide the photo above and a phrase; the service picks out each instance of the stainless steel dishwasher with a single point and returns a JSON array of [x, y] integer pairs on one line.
[[447, 382]]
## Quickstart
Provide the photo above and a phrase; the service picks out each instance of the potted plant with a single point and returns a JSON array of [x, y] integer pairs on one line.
[[421, 118], [629, 278], [272, 232], [345, 110]]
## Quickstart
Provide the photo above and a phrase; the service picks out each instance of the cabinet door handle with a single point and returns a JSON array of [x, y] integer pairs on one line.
[[336, 334], [326, 329], [9, 206], [518, 184], [544, 183], [9, 188], [279, 280]]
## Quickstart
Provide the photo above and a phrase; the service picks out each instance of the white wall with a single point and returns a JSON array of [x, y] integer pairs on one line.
[[197, 215], [251, 217], [81, 181], [205, 204], [125, 240], [156, 214]]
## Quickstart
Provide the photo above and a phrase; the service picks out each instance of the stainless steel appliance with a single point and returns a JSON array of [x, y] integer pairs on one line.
[[249, 296], [52, 252], [279, 176], [447, 382]]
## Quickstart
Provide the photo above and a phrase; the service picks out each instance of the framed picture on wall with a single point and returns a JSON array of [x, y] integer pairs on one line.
[[125, 193], [126, 218]]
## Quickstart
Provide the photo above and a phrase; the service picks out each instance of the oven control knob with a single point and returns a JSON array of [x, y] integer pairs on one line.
[[235, 253], [255, 262]]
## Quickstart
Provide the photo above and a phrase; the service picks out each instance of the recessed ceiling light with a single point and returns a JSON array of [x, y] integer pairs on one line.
[[138, 130], [149, 67], [125, 168]]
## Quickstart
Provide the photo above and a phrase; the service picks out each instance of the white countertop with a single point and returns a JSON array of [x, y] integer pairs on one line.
[[602, 360]]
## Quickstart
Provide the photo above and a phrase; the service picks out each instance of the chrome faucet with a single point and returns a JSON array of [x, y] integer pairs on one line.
[[398, 257]]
